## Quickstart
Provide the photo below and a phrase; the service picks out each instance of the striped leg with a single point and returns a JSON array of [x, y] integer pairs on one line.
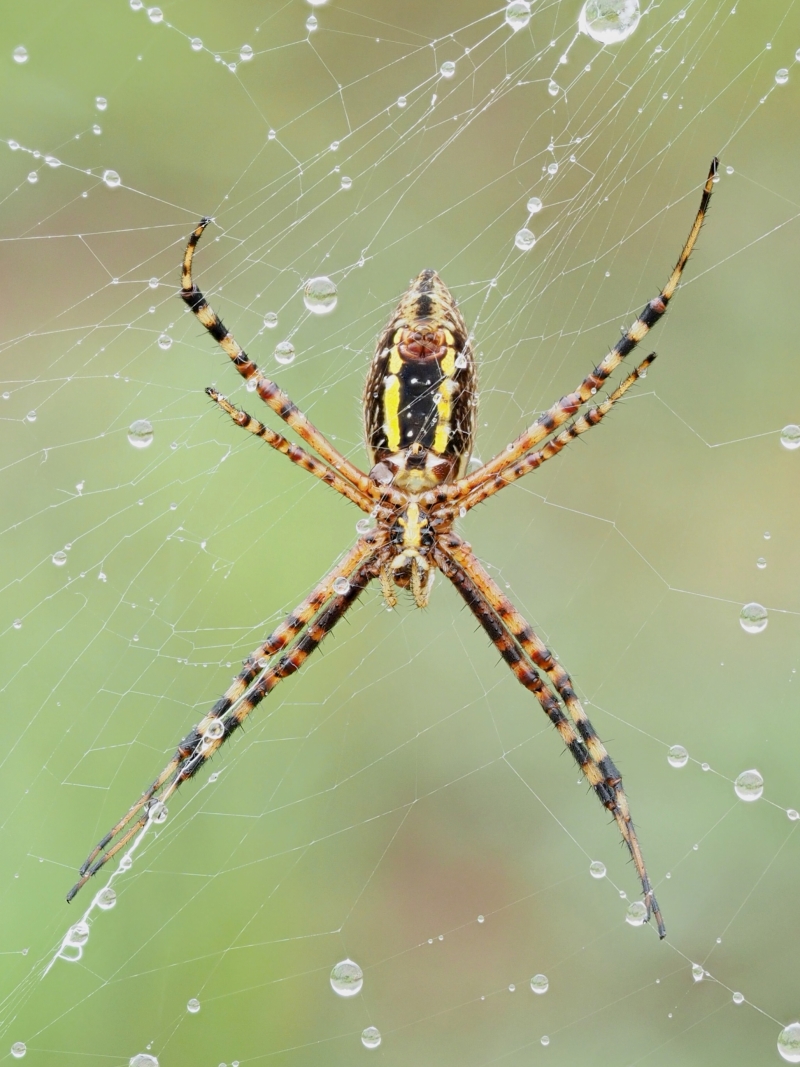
[[328, 601], [295, 453], [558, 414], [521, 648], [592, 417], [269, 392]]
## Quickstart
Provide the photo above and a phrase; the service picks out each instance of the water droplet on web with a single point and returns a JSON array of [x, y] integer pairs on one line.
[[143, 1059], [341, 586], [540, 983], [401, 101], [363, 526], [792, 815], [59, 558], [346, 183], [781, 76], [767, 535], [544, 1040], [33, 177], [51, 161], [106, 899], [20, 54], [609, 21], [761, 563], [461, 361], [697, 972], [284, 352], [193, 1006], [214, 731], [158, 812], [636, 913], [447, 69], [245, 53], [97, 130], [270, 320], [140, 433], [17, 624], [18, 1049], [749, 785], [789, 1043], [534, 205], [311, 23], [518, 14], [753, 618], [553, 87], [371, 1037], [524, 240], [738, 998], [347, 978], [78, 934], [320, 295], [481, 919], [196, 44], [677, 756], [155, 14], [790, 437], [597, 869], [111, 178], [165, 342], [136, 5]]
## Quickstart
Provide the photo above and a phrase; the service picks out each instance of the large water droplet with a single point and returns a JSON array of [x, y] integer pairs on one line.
[[347, 978], [518, 14], [214, 731], [270, 320], [100, 103], [158, 811], [140, 433], [789, 1043], [698, 974], [447, 69], [738, 998], [753, 618], [59, 558], [371, 1037], [677, 756], [143, 1059], [346, 183], [609, 21], [790, 437], [106, 899], [33, 177], [597, 869], [540, 983], [284, 352], [761, 563], [196, 44], [341, 586], [525, 240], [320, 295], [311, 23], [781, 76], [193, 1006], [534, 205], [165, 342], [749, 785], [636, 913], [111, 178], [245, 53], [20, 54], [155, 14], [78, 934], [18, 1049]]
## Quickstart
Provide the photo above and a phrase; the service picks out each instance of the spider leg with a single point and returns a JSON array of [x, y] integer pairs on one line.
[[519, 646], [269, 392], [568, 405], [316, 616], [295, 453], [591, 417]]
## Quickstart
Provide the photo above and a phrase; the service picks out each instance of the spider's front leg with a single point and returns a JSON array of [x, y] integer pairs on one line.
[[524, 651]]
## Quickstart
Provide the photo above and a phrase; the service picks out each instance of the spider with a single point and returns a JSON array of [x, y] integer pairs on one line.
[[420, 403]]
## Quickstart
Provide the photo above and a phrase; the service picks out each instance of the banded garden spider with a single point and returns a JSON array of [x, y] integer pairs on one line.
[[419, 410]]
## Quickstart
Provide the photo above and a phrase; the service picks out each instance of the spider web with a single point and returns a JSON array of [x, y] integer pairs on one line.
[[401, 801]]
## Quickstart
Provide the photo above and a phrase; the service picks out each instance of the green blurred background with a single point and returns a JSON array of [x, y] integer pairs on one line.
[[403, 783]]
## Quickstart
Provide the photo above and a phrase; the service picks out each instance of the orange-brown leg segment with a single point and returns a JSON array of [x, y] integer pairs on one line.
[[558, 414], [316, 616], [523, 651], [269, 392]]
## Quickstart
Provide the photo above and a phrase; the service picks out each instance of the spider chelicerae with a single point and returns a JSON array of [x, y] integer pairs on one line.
[[420, 402]]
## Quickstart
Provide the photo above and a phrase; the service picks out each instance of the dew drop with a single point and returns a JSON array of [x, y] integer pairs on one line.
[[155, 14], [609, 21], [749, 785], [51, 161], [271, 135], [767, 535], [196, 44], [553, 87], [284, 352], [524, 240], [193, 1006], [20, 54], [540, 983], [320, 295], [270, 320], [552, 168], [158, 812], [214, 731], [512, 988], [597, 869], [698, 974], [461, 361], [636, 913], [677, 756], [33, 177], [753, 618], [245, 53], [761, 563], [481, 919], [341, 586], [17, 624], [311, 23], [518, 14], [401, 101], [346, 183], [59, 558], [792, 815], [790, 437], [789, 1043], [738, 998], [111, 178], [544, 1040], [140, 433], [106, 899], [347, 978], [18, 1049], [78, 934], [164, 342], [143, 1059], [371, 1037], [447, 69], [363, 526], [534, 205], [97, 130], [781, 76]]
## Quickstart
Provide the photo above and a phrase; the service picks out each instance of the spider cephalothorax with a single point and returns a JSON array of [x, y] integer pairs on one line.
[[419, 413]]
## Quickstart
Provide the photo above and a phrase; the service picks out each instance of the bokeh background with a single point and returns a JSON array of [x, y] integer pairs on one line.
[[402, 784]]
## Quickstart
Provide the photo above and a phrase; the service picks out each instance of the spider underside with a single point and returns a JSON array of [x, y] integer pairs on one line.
[[420, 402]]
